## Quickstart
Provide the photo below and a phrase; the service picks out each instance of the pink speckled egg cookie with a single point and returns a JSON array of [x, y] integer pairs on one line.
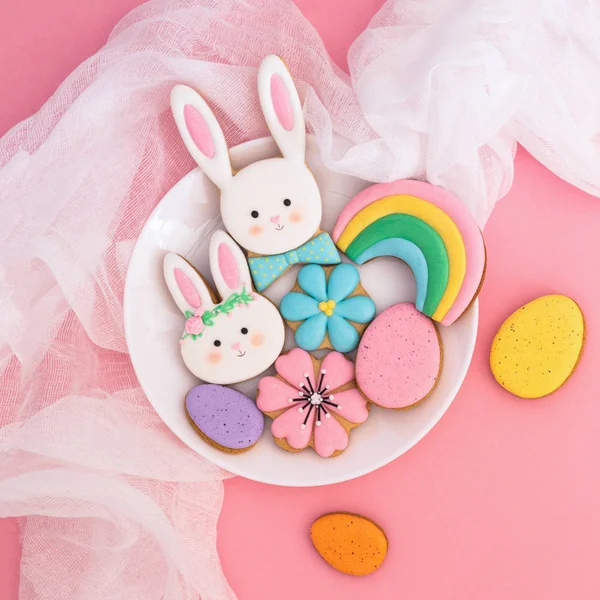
[[399, 358]]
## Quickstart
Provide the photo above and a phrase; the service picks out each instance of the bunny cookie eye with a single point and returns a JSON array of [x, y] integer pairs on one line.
[[217, 343], [254, 214], [287, 202], [244, 330]]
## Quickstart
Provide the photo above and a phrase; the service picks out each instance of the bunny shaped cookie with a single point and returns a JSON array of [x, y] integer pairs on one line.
[[272, 207], [228, 341]]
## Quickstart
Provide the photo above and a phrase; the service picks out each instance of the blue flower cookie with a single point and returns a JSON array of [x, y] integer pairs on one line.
[[328, 308]]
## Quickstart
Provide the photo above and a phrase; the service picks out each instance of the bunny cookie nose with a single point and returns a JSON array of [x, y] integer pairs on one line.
[[236, 346], [275, 219]]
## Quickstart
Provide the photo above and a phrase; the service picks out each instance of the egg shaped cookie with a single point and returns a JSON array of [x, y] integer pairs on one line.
[[538, 347], [349, 543], [399, 358], [224, 417]]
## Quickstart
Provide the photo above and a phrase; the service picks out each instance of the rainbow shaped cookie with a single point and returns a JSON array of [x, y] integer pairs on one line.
[[429, 229]]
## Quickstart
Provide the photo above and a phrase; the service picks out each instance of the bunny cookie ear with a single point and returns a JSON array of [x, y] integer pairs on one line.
[[202, 134], [227, 264], [281, 107], [187, 287]]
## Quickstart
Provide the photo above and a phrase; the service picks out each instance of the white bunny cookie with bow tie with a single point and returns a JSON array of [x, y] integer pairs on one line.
[[272, 207], [228, 341]]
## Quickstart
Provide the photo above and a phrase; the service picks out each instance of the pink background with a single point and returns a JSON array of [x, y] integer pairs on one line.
[[501, 500]]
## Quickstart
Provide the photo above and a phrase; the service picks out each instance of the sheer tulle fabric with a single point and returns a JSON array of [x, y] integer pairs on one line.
[[439, 90]]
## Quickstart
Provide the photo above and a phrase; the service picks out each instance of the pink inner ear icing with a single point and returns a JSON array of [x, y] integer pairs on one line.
[[281, 102], [198, 130], [228, 267], [186, 287]]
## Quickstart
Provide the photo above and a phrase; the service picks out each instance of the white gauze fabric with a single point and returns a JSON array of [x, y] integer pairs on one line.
[[110, 503]]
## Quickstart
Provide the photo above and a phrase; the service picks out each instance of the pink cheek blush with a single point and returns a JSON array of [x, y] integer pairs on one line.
[[257, 339], [214, 358], [296, 216], [255, 230], [399, 357]]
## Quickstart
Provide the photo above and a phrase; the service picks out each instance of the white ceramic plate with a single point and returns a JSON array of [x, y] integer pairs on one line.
[[183, 222]]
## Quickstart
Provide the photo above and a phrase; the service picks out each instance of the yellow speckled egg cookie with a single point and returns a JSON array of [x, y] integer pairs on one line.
[[538, 347], [349, 543]]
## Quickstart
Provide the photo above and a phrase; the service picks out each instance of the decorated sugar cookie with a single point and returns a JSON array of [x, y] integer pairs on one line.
[[230, 340], [328, 308], [273, 206], [538, 347], [430, 230], [349, 543], [312, 402], [224, 417], [399, 358]]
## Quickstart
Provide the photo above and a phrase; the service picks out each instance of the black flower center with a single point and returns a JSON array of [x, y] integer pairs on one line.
[[314, 397]]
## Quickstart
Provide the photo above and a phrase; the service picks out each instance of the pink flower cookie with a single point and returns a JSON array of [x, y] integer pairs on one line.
[[312, 402]]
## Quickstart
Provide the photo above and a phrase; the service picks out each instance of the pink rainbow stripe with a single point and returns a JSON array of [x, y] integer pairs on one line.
[[453, 207]]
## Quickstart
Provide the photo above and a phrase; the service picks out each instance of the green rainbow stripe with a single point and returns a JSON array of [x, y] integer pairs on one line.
[[423, 236]]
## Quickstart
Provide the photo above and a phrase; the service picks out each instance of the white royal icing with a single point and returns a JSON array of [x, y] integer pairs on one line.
[[218, 166], [250, 335], [281, 193]]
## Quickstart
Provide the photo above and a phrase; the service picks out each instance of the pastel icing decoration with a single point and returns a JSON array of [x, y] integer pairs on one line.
[[201, 134], [281, 102], [538, 347], [350, 543], [186, 287], [412, 255], [228, 340], [312, 402], [428, 228], [224, 417], [399, 358], [328, 308], [199, 131], [266, 269], [272, 206]]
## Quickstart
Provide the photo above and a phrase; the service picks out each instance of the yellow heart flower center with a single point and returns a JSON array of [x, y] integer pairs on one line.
[[327, 307]]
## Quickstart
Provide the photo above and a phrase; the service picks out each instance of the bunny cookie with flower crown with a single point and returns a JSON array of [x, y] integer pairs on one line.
[[271, 207], [228, 341]]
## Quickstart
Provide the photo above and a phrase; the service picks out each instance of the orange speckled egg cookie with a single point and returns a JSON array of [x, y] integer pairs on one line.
[[349, 543]]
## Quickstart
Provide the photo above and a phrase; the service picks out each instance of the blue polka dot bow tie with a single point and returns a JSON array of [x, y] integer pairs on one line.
[[266, 269]]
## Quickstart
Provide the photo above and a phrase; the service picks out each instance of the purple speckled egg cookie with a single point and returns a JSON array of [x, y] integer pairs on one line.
[[224, 417]]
